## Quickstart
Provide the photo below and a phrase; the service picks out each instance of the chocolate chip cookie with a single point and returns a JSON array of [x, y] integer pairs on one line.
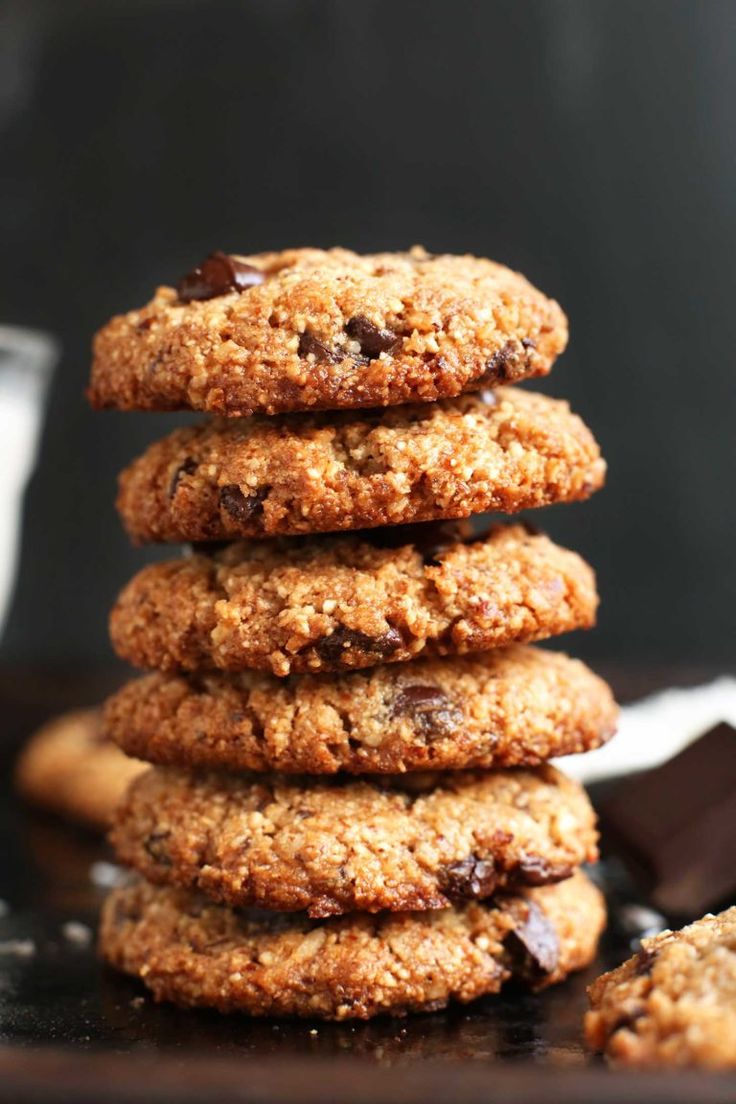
[[674, 1003], [505, 450], [190, 951], [69, 768], [516, 706], [315, 329], [352, 601], [334, 845]]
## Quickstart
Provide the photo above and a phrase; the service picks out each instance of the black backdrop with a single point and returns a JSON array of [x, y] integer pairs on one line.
[[589, 143]]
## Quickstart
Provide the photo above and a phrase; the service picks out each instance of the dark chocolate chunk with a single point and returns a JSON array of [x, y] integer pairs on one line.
[[432, 713], [675, 826], [644, 961], [469, 879], [528, 343], [155, 845], [309, 343], [497, 366], [188, 467], [333, 647], [533, 870], [217, 275], [532, 946], [372, 339], [242, 508]]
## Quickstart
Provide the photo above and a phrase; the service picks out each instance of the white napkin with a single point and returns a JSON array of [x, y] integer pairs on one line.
[[656, 728]]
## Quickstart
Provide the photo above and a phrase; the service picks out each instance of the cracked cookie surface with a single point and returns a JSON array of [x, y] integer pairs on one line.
[[196, 954], [673, 1003], [516, 706], [326, 329], [352, 601], [330, 846], [506, 451], [68, 768]]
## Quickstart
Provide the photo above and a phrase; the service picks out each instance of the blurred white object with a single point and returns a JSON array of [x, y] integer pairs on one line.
[[27, 359], [656, 728]]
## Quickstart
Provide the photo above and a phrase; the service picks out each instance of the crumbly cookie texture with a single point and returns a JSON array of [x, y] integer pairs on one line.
[[315, 329], [353, 601], [506, 450], [68, 768], [338, 845], [516, 706], [187, 950], [674, 1003]]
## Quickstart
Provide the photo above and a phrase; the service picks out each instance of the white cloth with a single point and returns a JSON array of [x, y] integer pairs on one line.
[[656, 728]]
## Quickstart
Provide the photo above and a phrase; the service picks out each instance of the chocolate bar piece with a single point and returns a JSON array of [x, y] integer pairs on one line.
[[675, 826]]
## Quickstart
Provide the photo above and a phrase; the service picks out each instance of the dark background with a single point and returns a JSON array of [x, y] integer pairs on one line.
[[589, 143]]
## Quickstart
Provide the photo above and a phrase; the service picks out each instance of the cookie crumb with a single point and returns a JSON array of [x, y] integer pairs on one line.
[[18, 948], [106, 875], [77, 933]]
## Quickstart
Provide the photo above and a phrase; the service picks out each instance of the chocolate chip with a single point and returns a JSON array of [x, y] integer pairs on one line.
[[644, 962], [187, 467], [534, 870], [372, 340], [431, 711], [532, 945], [156, 848], [528, 343], [242, 508], [497, 366], [332, 648], [470, 878], [217, 275], [310, 344]]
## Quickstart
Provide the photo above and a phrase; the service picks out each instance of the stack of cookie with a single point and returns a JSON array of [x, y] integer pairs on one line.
[[349, 728]]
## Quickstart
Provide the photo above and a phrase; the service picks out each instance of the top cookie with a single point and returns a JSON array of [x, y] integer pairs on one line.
[[674, 1003], [325, 329], [505, 450]]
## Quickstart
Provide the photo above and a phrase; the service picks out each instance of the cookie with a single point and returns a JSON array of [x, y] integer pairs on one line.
[[68, 768], [314, 329], [506, 450], [334, 845], [197, 954], [674, 1003], [517, 706], [354, 601]]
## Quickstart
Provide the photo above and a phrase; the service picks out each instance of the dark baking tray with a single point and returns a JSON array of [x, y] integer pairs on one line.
[[71, 1030]]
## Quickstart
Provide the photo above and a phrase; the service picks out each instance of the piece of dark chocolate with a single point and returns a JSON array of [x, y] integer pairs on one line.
[[675, 826]]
